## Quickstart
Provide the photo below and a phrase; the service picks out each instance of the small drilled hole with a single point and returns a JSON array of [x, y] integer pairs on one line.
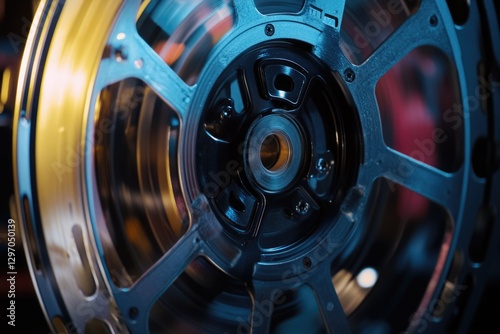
[[433, 20], [284, 83], [307, 263], [133, 313]]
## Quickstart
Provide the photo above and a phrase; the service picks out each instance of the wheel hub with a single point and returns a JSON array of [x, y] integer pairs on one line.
[[274, 152], [278, 146]]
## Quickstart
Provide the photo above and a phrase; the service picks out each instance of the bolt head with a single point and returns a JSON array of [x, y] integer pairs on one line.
[[269, 30], [302, 208], [349, 75]]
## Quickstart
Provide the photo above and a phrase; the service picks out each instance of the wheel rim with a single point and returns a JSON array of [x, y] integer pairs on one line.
[[162, 121]]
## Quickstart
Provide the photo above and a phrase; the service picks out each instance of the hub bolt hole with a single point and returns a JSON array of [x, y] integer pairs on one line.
[[284, 83], [302, 208], [322, 165], [133, 313]]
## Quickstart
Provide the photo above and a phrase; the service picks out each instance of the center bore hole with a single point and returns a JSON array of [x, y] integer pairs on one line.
[[274, 152], [284, 83]]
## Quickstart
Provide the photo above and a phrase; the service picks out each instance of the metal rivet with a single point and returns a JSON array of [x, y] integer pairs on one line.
[[322, 165], [349, 75], [433, 20], [269, 30], [302, 208]]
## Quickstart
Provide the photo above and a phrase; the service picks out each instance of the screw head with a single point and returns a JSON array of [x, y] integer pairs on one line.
[[433, 20], [269, 30], [226, 112], [349, 75], [225, 109], [121, 54], [322, 165], [302, 208]]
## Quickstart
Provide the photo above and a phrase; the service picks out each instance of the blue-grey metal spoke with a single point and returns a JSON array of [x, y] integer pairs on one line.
[[430, 182], [381, 161], [263, 306], [416, 31], [330, 12], [363, 93], [162, 78], [245, 12], [137, 300], [129, 56], [328, 301]]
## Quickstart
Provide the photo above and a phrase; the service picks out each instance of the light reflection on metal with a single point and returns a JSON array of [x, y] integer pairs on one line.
[[367, 278]]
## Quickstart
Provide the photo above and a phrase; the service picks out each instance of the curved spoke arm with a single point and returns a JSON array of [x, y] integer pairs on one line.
[[245, 12], [328, 301], [127, 55], [139, 299], [422, 28], [162, 78], [423, 179], [264, 296], [132, 57]]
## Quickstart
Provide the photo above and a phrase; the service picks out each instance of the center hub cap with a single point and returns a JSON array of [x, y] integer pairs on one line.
[[274, 152], [278, 147]]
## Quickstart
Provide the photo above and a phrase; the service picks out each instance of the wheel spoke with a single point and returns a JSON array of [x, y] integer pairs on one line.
[[423, 179], [414, 32], [136, 59], [263, 307], [252, 88], [364, 95], [138, 299], [245, 12], [163, 79], [328, 301]]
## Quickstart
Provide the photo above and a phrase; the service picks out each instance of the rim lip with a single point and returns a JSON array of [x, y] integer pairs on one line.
[[23, 187], [39, 53]]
